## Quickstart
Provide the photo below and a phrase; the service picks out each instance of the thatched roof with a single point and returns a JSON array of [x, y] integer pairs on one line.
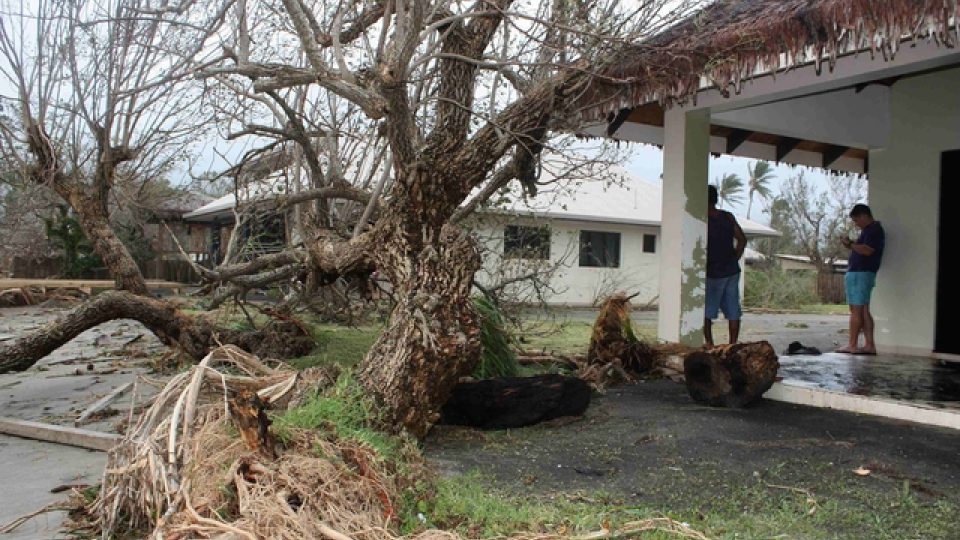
[[733, 40]]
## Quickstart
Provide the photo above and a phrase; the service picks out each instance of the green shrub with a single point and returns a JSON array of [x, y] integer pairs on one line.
[[497, 358], [776, 288]]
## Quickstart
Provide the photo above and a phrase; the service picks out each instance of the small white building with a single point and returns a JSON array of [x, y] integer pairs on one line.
[[585, 240], [850, 86]]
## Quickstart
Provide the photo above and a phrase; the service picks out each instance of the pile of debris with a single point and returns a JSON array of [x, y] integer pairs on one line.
[[41, 296], [203, 461]]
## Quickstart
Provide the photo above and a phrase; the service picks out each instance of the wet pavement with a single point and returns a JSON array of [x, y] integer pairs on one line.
[[903, 378], [56, 391]]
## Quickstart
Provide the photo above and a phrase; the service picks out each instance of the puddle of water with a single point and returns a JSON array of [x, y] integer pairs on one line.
[[897, 377]]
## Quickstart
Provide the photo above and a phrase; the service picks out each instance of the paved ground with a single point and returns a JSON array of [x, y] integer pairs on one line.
[[648, 445], [56, 391]]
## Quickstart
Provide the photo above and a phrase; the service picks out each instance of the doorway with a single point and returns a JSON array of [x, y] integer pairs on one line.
[[947, 338]]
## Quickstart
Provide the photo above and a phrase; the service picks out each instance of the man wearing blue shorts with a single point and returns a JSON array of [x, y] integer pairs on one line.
[[725, 245], [862, 267]]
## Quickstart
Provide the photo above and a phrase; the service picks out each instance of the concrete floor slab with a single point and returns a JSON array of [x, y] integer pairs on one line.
[[31, 469]]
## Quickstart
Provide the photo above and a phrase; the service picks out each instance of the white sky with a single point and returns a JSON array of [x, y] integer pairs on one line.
[[646, 162]]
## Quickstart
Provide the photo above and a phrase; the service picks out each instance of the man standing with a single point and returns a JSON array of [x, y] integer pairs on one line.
[[725, 245], [864, 262]]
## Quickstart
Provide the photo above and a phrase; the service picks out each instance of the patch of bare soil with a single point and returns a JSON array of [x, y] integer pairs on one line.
[[649, 444]]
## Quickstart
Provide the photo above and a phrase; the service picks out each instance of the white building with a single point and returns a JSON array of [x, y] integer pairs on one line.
[[847, 85], [584, 238], [592, 238]]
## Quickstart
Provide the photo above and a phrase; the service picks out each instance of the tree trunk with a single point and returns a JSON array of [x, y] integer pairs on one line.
[[115, 256], [732, 375], [195, 336], [433, 336]]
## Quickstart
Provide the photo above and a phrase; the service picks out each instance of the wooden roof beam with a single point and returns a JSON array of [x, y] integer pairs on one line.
[[832, 153], [617, 120], [736, 138], [786, 145]]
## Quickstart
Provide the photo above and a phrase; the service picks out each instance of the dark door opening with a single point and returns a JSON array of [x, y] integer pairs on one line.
[[947, 339]]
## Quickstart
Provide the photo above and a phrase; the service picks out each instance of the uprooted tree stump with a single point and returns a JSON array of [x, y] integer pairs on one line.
[[248, 412], [732, 375], [614, 348], [510, 402]]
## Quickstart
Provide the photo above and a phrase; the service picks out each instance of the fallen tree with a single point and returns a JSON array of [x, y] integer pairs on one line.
[[451, 109], [193, 335]]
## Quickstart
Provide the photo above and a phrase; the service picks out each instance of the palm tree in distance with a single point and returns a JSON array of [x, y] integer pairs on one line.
[[758, 182], [729, 189]]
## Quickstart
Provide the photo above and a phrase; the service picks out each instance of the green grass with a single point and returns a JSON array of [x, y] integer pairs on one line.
[[758, 508], [345, 409], [340, 345], [472, 506], [571, 336], [825, 309]]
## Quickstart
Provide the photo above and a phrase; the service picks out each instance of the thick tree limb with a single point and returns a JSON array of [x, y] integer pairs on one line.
[[170, 324], [339, 83], [273, 260], [356, 27], [343, 191], [194, 336]]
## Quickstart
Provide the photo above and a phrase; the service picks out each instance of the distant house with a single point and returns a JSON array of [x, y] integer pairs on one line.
[[263, 229], [167, 233], [803, 263], [266, 229], [593, 238]]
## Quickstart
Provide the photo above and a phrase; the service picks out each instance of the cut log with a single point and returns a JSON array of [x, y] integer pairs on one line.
[[93, 440], [510, 402], [732, 375]]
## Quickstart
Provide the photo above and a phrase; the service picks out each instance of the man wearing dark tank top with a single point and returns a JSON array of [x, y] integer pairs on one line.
[[725, 245]]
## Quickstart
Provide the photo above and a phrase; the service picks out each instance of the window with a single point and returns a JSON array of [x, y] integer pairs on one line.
[[521, 242], [600, 249], [649, 243]]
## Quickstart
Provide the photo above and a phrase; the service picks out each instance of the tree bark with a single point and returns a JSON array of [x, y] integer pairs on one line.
[[195, 336], [732, 375], [89, 202], [114, 254], [433, 336]]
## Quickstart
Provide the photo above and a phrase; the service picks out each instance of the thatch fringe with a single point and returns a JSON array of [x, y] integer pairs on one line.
[[734, 40]]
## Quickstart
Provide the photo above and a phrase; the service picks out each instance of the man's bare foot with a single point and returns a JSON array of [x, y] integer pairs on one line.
[[847, 350], [865, 351]]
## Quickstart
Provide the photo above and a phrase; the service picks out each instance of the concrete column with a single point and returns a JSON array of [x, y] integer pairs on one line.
[[683, 257]]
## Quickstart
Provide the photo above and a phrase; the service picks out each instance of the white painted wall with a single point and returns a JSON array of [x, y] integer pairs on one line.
[[904, 196], [575, 285]]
